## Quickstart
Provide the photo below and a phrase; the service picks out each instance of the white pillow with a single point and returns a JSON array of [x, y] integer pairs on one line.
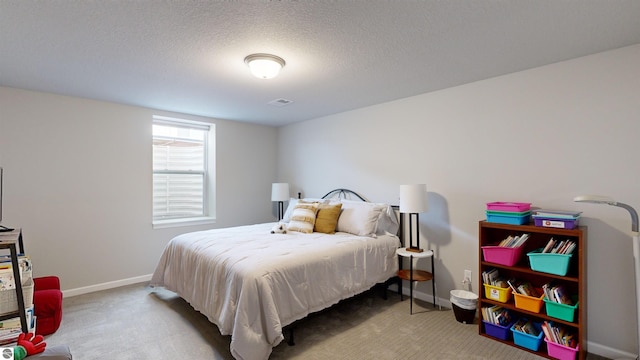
[[359, 218], [287, 214], [388, 221]]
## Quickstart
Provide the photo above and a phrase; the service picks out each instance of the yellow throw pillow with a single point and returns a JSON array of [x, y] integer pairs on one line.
[[327, 218], [303, 218]]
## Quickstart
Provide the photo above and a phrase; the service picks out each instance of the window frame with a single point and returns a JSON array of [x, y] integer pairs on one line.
[[208, 196]]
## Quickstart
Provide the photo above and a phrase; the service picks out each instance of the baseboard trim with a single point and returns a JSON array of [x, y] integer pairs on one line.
[[105, 286], [609, 352]]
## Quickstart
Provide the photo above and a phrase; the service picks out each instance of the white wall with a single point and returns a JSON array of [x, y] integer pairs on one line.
[[78, 181], [543, 136]]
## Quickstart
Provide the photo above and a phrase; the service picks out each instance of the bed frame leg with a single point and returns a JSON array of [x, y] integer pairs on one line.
[[290, 342]]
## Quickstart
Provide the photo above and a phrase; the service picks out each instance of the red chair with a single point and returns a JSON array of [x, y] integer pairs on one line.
[[47, 303]]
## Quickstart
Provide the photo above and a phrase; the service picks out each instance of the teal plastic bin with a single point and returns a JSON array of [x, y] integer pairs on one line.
[[557, 264], [561, 311]]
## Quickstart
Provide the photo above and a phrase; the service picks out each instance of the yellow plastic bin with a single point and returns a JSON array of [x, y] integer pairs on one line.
[[497, 293]]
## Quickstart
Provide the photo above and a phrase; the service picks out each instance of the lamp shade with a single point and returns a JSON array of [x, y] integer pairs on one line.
[[279, 192], [413, 198]]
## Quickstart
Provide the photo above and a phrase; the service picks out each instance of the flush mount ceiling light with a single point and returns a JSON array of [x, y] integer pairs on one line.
[[264, 66]]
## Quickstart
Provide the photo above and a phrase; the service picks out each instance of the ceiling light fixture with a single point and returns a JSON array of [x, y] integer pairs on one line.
[[264, 66]]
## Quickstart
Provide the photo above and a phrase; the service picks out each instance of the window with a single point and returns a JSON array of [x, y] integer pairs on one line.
[[180, 171]]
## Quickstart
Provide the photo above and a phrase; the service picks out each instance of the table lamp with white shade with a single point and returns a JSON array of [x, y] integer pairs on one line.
[[596, 199], [413, 201], [280, 193]]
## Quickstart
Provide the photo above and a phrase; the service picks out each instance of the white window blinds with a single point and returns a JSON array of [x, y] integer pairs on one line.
[[179, 170]]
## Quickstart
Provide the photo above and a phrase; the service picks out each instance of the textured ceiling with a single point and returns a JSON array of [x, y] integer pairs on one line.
[[187, 56]]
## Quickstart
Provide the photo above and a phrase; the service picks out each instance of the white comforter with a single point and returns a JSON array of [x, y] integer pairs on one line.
[[251, 283]]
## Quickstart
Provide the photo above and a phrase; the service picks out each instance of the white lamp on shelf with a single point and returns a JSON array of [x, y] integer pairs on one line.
[[597, 199], [280, 193], [413, 201]]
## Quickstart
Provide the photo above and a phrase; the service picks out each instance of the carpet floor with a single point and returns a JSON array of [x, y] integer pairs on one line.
[[138, 322]]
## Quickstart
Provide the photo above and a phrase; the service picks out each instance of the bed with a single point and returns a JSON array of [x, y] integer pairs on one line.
[[251, 283]]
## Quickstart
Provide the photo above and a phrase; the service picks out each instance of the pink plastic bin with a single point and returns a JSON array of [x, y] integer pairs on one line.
[[508, 206], [502, 255], [561, 352]]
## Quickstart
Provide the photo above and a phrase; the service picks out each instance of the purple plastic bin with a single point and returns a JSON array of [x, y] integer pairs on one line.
[[498, 331], [555, 223]]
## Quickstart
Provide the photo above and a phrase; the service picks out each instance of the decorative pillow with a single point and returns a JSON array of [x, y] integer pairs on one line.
[[292, 204], [359, 218], [303, 217], [327, 218]]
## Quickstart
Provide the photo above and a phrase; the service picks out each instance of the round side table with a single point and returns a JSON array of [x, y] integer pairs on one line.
[[416, 275]]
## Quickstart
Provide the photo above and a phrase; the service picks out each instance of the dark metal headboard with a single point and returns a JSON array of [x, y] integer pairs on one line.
[[342, 194]]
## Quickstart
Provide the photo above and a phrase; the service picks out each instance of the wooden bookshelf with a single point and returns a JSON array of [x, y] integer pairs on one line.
[[575, 281]]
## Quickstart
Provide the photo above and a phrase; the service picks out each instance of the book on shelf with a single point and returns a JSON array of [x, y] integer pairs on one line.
[[24, 262], [523, 288], [527, 289], [526, 326], [496, 315], [514, 241], [564, 247], [557, 294], [513, 284], [558, 334], [7, 281], [492, 277], [562, 296], [11, 328]]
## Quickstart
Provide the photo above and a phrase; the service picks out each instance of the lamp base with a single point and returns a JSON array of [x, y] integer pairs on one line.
[[414, 249]]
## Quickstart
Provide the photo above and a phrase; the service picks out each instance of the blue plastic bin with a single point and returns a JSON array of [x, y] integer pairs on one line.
[[526, 340], [504, 217]]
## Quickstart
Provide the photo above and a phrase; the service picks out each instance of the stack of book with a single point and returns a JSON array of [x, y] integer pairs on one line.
[[492, 277], [10, 328], [523, 288], [24, 262], [557, 294], [496, 315], [527, 327], [514, 241], [558, 334], [564, 247]]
